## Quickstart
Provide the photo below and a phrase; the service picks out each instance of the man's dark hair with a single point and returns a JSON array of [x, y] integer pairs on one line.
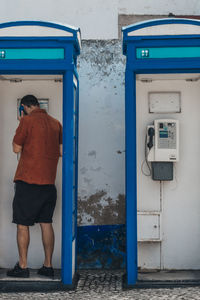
[[30, 100]]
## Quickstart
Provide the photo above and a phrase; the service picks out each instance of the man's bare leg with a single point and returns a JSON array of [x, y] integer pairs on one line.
[[23, 239], [48, 242]]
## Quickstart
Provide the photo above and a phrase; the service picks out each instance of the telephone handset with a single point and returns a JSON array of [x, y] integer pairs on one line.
[[151, 133], [21, 109]]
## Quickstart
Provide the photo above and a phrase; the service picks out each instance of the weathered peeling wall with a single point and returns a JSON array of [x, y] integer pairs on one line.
[[101, 134]]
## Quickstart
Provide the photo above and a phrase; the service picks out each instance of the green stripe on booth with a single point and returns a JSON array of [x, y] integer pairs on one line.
[[41, 53], [167, 52]]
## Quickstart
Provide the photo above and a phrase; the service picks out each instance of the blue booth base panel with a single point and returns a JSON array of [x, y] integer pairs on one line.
[[101, 247]]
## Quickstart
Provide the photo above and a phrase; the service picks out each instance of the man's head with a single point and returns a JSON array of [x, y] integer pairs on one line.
[[29, 102]]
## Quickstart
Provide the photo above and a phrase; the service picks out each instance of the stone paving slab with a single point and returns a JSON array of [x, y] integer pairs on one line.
[[153, 294], [107, 285]]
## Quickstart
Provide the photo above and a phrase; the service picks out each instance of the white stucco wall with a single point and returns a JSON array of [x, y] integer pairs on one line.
[[10, 92], [98, 19], [159, 7]]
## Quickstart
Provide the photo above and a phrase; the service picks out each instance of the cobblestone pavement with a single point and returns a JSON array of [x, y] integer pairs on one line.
[[108, 285]]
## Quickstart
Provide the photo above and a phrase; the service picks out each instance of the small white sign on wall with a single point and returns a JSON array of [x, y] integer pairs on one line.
[[164, 102]]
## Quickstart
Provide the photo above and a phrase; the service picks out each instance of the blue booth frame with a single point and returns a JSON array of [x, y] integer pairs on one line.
[[162, 64], [68, 68]]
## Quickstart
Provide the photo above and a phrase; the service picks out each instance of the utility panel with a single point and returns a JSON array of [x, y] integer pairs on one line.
[[148, 226]]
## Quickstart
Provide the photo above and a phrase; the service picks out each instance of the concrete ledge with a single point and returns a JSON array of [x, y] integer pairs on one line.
[[35, 283], [164, 279], [33, 276]]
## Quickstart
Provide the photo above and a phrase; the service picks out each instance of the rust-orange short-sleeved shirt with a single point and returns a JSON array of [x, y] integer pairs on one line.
[[40, 136]]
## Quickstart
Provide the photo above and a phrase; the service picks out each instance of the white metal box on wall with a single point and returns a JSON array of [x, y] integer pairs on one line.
[[149, 227]]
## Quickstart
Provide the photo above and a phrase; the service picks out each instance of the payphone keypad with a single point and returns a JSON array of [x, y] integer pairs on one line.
[[167, 135]]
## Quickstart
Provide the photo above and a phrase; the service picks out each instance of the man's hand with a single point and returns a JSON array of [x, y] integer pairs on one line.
[[22, 115], [17, 148]]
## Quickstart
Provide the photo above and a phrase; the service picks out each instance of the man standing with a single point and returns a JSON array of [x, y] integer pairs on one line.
[[39, 140]]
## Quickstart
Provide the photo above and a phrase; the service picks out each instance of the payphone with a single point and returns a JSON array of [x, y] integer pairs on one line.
[[162, 148]]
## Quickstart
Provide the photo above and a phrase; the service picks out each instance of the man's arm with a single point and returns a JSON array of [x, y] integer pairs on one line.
[[16, 148], [61, 139], [61, 149], [20, 136]]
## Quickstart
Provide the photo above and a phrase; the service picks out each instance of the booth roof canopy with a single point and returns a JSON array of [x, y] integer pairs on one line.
[[160, 27], [39, 29]]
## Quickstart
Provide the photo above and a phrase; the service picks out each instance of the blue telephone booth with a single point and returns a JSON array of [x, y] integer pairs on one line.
[[38, 48], [164, 46]]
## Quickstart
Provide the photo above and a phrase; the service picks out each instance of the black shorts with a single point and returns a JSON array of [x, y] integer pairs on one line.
[[33, 203]]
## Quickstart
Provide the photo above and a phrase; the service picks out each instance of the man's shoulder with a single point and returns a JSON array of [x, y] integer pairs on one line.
[[34, 118], [53, 119], [25, 119]]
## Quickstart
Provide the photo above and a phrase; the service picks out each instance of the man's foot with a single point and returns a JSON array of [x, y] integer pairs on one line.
[[46, 271], [17, 271]]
